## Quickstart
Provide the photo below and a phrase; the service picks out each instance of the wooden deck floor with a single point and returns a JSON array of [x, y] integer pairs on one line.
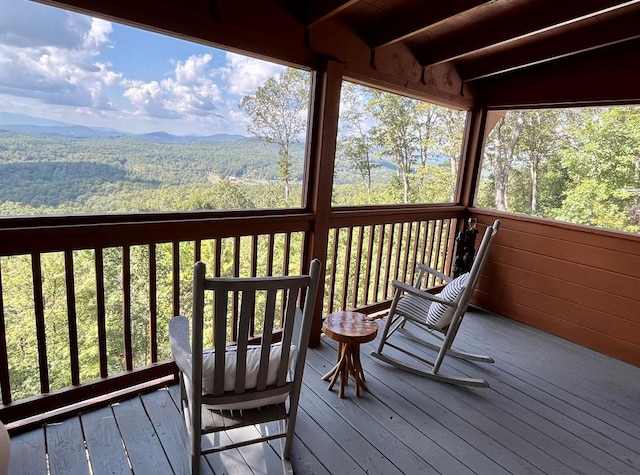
[[552, 407]]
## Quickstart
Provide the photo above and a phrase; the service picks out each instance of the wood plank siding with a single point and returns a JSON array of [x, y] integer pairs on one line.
[[579, 283], [552, 407]]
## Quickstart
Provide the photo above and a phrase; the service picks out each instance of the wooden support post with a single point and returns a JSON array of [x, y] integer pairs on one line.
[[321, 151], [471, 162]]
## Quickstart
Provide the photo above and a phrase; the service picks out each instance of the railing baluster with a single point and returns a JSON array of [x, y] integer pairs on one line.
[[235, 310], [254, 256], [72, 317], [270, 248], [102, 326], [197, 250], [253, 272], [429, 258], [38, 299], [377, 268], [450, 246], [126, 310], [356, 280], [218, 258], [399, 246], [425, 240], [334, 268], [367, 272], [153, 304], [414, 256], [387, 267], [347, 267], [5, 383], [176, 277], [436, 265], [286, 262], [407, 252], [287, 253], [236, 256]]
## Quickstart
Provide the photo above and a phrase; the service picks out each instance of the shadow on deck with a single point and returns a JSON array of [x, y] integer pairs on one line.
[[553, 407]]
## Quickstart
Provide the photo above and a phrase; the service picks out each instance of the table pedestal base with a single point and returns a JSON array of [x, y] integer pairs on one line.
[[348, 364]]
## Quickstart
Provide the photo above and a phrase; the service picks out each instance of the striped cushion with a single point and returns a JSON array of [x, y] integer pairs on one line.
[[440, 315], [412, 305]]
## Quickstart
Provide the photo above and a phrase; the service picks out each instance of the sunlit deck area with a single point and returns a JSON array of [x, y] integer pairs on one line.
[[552, 407]]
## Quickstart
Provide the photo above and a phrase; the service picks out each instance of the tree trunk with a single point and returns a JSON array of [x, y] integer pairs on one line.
[[504, 159], [405, 182], [534, 185]]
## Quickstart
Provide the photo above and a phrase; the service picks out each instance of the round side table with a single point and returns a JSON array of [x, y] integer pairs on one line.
[[349, 329]]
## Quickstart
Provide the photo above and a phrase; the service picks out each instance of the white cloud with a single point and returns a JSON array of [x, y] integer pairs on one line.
[[191, 90], [244, 75], [57, 64], [48, 54], [25, 24]]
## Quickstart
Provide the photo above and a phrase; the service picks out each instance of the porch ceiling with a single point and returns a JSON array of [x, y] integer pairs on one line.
[[486, 42], [483, 38]]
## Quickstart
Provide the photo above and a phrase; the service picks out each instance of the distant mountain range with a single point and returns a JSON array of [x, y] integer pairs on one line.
[[34, 125]]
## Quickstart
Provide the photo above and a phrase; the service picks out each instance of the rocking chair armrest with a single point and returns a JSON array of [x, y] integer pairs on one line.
[[433, 271], [179, 342], [410, 289]]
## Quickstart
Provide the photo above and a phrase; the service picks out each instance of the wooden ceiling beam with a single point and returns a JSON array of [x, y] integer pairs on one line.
[[405, 24], [598, 77], [507, 28], [320, 11], [596, 33]]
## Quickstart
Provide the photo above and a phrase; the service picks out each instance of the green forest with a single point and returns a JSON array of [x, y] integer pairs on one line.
[[45, 174], [575, 165]]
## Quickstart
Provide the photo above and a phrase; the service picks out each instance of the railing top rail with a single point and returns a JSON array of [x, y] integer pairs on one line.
[[26, 240], [347, 216]]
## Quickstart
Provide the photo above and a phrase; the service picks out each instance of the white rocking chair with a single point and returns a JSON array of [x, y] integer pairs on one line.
[[436, 316], [228, 387]]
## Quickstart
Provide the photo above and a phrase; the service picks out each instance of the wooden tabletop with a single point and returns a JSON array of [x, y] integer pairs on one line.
[[349, 327]]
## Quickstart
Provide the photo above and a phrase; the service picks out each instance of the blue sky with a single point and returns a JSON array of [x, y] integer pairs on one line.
[[63, 66]]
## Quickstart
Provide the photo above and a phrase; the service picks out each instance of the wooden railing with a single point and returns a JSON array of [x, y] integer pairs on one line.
[[363, 259], [85, 301]]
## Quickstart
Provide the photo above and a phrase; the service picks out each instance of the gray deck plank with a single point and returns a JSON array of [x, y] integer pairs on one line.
[[140, 438], [510, 449], [549, 355], [303, 461], [65, 445], [230, 462], [371, 428], [169, 425], [617, 408], [616, 377], [28, 454], [614, 432], [333, 455], [610, 433], [580, 421], [261, 457], [106, 453], [433, 456], [464, 419], [368, 456], [449, 449], [542, 425]]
